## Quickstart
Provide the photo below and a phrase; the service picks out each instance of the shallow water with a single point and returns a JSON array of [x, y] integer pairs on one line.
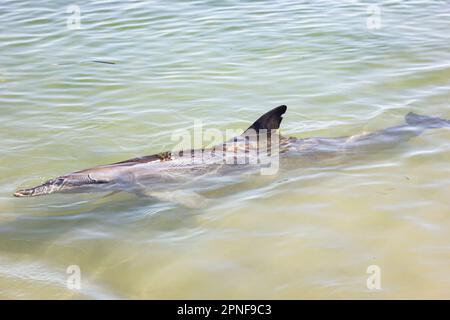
[[309, 232]]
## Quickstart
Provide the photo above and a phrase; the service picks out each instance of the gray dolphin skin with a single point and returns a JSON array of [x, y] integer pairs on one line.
[[161, 175]]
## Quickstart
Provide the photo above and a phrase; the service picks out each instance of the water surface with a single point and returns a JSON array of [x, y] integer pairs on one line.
[[310, 233]]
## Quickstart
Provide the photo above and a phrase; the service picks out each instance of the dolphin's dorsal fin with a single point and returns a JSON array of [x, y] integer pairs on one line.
[[270, 120]]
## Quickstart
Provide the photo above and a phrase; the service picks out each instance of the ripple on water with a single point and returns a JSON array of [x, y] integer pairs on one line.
[[309, 232]]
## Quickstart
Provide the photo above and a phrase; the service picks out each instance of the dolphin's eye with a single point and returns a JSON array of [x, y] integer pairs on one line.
[[59, 181]]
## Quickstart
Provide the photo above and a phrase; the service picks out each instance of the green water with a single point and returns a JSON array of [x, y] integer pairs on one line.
[[309, 233]]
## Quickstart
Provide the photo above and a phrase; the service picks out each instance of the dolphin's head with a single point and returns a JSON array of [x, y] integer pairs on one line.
[[68, 183], [50, 186]]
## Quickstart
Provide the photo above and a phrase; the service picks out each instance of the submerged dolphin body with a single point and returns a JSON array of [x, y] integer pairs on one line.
[[154, 175]]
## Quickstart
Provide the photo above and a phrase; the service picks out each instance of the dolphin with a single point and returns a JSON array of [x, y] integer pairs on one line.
[[165, 175]]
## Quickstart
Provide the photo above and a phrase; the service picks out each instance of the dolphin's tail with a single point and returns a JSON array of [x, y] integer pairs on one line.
[[426, 122]]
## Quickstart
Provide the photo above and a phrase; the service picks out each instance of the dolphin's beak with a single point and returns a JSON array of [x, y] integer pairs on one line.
[[23, 193], [40, 190]]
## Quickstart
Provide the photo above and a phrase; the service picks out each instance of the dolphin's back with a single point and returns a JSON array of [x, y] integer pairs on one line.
[[318, 147], [427, 122]]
